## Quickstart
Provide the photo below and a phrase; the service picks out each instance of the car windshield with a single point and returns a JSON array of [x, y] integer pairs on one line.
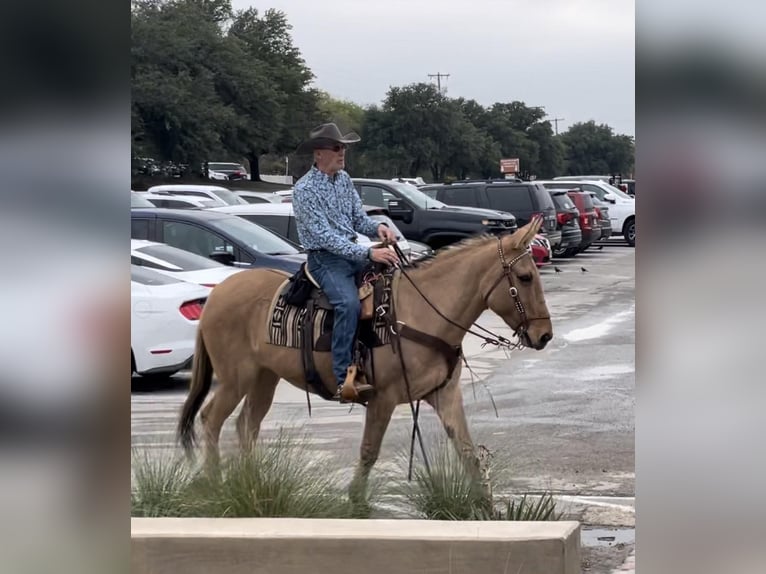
[[149, 277], [415, 196], [224, 166], [616, 191], [174, 259], [257, 237], [228, 196], [137, 201], [563, 201]]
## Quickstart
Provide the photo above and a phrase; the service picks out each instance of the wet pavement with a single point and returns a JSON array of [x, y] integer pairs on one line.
[[564, 415]]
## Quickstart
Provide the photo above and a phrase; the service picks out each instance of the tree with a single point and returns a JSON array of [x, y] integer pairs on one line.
[[279, 123], [594, 149], [176, 109]]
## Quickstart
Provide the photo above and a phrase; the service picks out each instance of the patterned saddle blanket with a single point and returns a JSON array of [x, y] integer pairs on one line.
[[286, 323]]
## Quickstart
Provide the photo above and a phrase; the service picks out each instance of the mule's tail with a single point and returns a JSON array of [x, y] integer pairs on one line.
[[202, 378]]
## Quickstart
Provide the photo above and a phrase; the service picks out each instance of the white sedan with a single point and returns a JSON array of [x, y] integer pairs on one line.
[[175, 262], [164, 313]]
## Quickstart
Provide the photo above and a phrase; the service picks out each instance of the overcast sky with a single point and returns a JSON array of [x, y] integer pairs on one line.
[[573, 57]]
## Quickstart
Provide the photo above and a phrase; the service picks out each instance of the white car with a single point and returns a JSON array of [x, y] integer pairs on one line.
[[622, 207], [175, 262], [262, 197], [209, 191], [172, 201], [280, 218], [164, 316]]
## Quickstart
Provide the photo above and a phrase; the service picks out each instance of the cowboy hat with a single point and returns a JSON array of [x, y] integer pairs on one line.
[[326, 135]]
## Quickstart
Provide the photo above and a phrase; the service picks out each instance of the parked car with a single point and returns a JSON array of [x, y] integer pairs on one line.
[[165, 312], [522, 199], [602, 212], [416, 181], [137, 199], [226, 171], [280, 218], [262, 197], [419, 250], [568, 219], [422, 218], [589, 227], [209, 191], [175, 262], [622, 210], [222, 237], [170, 201], [541, 250]]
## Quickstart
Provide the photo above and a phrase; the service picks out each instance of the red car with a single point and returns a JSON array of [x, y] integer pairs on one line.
[[541, 250]]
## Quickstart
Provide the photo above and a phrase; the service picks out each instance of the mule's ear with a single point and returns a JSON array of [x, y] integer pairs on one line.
[[524, 236]]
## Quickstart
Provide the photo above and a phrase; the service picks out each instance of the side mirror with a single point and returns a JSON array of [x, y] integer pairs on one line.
[[398, 209], [610, 198], [223, 257]]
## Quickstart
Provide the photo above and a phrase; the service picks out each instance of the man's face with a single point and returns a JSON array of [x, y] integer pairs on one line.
[[331, 157]]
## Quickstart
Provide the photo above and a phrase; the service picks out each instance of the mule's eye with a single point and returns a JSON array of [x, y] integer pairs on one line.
[[526, 278]]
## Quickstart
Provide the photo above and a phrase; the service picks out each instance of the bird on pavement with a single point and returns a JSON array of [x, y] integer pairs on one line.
[[556, 269], [583, 269]]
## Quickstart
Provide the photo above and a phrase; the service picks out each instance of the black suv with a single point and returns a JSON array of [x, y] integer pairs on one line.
[[523, 199], [427, 220]]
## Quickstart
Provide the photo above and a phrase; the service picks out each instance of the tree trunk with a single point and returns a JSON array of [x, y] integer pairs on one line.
[[255, 171]]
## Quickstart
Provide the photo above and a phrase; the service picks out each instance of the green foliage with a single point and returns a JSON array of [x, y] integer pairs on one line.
[[448, 491], [527, 509], [282, 479], [595, 149]]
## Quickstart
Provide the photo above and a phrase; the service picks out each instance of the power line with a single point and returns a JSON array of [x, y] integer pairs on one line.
[[438, 77], [556, 123]]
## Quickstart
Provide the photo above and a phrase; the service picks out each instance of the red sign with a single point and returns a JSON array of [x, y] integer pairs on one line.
[[510, 165]]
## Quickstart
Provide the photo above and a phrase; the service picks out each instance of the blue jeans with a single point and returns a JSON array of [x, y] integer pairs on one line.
[[337, 276]]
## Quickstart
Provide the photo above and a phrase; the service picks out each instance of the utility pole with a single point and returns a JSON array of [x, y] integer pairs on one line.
[[556, 123], [438, 77]]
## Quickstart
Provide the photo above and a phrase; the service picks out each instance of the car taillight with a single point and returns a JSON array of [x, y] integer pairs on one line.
[[564, 218], [192, 310], [585, 221], [598, 213]]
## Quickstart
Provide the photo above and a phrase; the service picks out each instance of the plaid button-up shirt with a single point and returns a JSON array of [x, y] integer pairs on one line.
[[329, 214]]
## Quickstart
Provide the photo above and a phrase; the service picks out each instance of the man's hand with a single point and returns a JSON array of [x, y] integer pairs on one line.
[[384, 255], [385, 234]]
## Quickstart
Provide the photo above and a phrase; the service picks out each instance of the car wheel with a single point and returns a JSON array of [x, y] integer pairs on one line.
[[560, 252], [158, 377], [571, 251], [629, 231]]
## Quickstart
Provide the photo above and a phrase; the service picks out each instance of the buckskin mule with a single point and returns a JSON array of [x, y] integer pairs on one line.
[[486, 272]]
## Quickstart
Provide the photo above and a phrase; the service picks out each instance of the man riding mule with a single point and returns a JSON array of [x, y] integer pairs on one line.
[[433, 306], [328, 215]]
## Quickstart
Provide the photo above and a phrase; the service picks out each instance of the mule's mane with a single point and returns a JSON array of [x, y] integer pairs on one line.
[[455, 250]]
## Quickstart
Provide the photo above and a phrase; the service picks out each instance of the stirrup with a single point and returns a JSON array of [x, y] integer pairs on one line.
[[352, 391]]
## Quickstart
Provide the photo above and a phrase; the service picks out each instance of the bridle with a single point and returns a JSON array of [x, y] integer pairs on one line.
[[490, 338], [512, 289]]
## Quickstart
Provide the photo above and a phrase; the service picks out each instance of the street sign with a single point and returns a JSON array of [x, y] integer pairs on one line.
[[509, 165]]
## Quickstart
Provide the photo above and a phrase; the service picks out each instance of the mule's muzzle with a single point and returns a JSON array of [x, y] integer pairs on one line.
[[538, 342], [543, 341]]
